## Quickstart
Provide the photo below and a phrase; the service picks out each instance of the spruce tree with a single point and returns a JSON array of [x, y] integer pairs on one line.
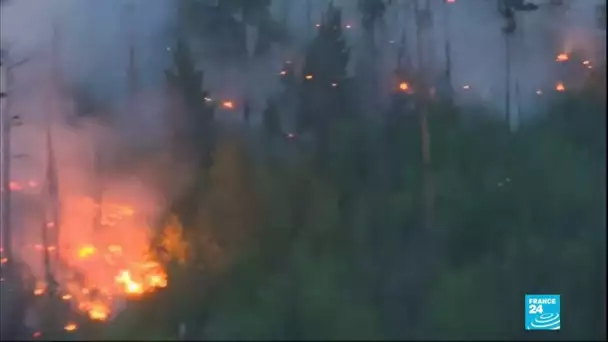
[[187, 83], [324, 90]]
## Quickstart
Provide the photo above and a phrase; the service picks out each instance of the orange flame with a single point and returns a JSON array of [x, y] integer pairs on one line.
[[562, 57], [86, 251], [560, 87], [111, 263], [228, 104], [70, 327], [308, 77], [404, 86]]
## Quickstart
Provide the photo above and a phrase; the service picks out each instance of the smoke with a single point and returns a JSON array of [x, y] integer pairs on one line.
[[109, 150], [106, 138]]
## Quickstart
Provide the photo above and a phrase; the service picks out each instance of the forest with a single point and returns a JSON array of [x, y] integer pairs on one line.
[[325, 215]]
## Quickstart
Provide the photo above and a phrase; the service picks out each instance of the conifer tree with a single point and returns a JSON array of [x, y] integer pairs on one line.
[[187, 82], [324, 88]]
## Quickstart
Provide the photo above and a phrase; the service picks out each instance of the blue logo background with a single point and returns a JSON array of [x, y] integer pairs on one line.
[[542, 312]]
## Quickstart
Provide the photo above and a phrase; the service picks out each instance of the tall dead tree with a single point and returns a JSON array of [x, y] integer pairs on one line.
[[424, 23], [508, 10]]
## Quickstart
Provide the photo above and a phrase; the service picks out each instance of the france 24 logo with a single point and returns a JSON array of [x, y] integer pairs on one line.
[[542, 312]]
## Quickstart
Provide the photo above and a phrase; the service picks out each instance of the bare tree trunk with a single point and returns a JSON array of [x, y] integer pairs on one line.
[[508, 79], [424, 128]]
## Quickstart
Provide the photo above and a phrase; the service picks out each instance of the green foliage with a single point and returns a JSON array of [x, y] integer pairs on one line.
[[290, 250]]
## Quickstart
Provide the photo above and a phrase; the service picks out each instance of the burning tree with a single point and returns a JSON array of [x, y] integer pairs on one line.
[[325, 83]]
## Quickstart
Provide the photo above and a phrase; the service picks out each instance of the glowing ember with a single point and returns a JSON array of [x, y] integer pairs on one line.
[[86, 251], [404, 86], [70, 327], [560, 87], [98, 312], [450, 1], [228, 104], [14, 186], [66, 296], [562, 57], [39, 292], [283, 73], [308, 77]]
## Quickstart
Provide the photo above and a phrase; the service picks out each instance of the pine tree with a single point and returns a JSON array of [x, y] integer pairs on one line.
[[371, 12], [323, 93], [187, 82]]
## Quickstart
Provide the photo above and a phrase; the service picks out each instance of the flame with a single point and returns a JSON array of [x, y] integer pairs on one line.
[[283, 73], [108, 264], [562, 57], [560, 87], [70, 327], [404, 86], [228, 104], [308, 77], [98, 312], [86, 251], [14, 186]]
